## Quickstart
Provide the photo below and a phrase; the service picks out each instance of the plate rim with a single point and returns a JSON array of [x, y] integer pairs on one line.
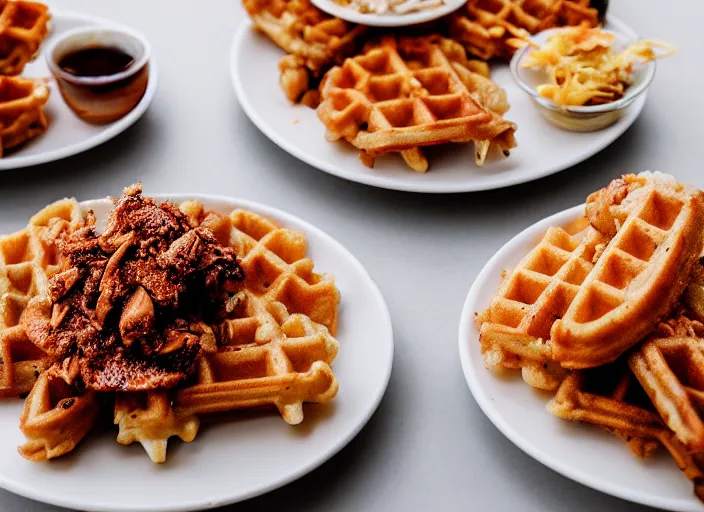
[[245, 29], [386, 333], [17, 161], [387, 20], [465, 336]]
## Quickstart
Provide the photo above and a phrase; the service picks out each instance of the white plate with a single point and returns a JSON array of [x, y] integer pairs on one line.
[[542, 148], [387, 20], [67, 135], [584, 453], [240, 457]]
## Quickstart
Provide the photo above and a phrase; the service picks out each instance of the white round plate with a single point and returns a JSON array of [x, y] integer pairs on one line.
[[387, 20], [67, 134], [584, 453], [239, 457], [543, 149]]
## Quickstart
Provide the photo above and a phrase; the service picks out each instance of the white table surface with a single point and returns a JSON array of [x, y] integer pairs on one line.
[[428, 447]]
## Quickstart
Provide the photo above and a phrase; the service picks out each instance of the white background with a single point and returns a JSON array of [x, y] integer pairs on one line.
[[428, 447]]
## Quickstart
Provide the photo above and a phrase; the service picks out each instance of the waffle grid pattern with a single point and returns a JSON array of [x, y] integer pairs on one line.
[[27, 259], [277, 351], [516, 327], [23, 27], [401, 95], [620, 301], [497, 28]]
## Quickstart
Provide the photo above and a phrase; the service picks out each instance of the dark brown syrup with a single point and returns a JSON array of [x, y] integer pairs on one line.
[[97, 61]]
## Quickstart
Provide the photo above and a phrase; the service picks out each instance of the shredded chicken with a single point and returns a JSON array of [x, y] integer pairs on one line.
[[130, 309]]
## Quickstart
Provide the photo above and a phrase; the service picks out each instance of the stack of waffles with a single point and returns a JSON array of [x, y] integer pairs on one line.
[[27, 259], [402, 94], [23, 27], [22, 115], [275, 349], [312, 40], [497, 28], [606, 313], [397, 93]]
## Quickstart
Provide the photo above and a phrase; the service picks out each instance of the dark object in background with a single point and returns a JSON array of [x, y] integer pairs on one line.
[[601, 6]]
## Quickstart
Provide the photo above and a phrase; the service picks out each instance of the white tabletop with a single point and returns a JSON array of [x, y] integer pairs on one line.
[[428, 447]]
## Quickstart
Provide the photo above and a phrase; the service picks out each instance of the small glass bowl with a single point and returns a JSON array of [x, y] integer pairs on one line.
[[585, 118], [101, 99]]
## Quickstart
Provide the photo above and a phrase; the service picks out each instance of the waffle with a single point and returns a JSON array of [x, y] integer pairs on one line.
[[614, 404], [55, 418], [315, 39], [149, 419], [402, 94], [276, 352], [640, 274], [670, 367], [27, 259], [23, 27], [296, 81], [515, 328], [22, 114], [611, 398], [497, 28]]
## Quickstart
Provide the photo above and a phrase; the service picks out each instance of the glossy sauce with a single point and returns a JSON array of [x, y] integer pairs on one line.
[[97, 61]]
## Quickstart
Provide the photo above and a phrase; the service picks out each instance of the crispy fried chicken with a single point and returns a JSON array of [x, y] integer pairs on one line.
[[130, 309]]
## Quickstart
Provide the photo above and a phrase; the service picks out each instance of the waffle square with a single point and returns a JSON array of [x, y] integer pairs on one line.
[[670, 367], [55, 418], [314, 40], [27, 259], [607, 397], [23, 27], [515, 329], [497, 28], [277, 350], [638, 277], [400, 95], [610, 397], [22, 114]]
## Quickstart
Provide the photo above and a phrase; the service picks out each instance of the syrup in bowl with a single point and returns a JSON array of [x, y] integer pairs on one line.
[[98, 61], [102, 72]]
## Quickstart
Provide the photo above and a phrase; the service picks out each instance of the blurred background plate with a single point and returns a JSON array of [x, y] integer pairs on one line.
[[67, 134], [542, 148]]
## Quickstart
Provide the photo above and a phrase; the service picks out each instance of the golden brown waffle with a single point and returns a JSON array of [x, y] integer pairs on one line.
[[22, 114], [296, 81], [605, 397], [670, 367], [27, 259], [149, 419], [609, 397], [277, 351], [55, 418], [515, 328], [267, 357], [400, 95], [497, 28], [639, 275], [23, 27], [315, 39]]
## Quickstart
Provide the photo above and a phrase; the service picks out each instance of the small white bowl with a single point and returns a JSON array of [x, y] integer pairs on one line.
[[101, 99], [389, 19], [582, 118]]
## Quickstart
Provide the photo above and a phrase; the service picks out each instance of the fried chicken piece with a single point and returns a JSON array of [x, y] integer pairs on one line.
[[127, 312]]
